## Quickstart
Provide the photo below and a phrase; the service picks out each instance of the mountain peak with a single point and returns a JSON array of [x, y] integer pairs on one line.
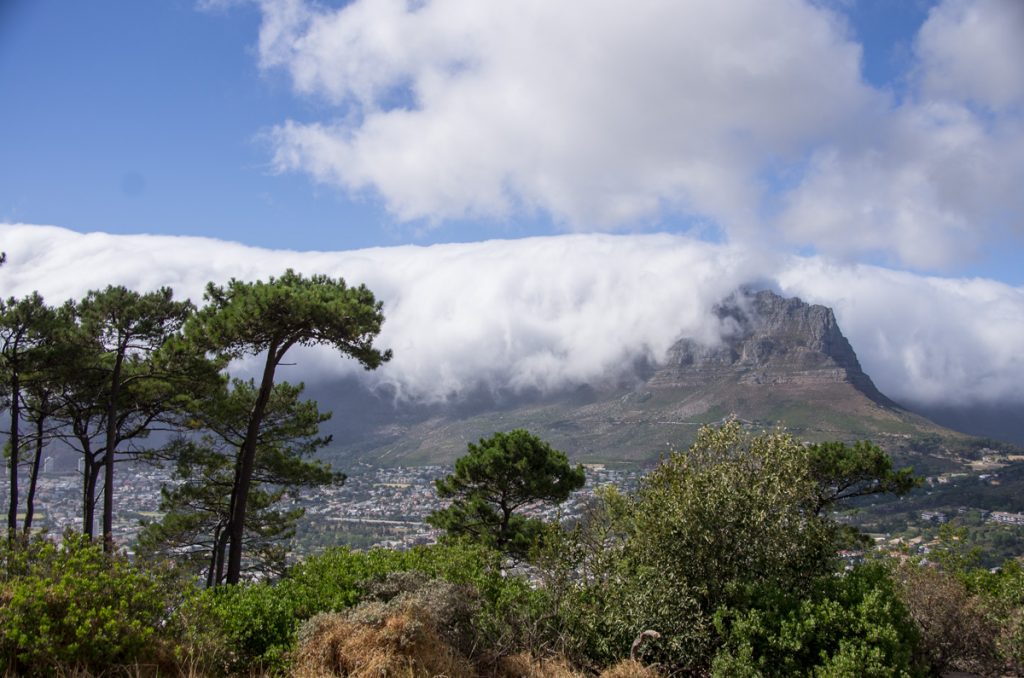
[[768, 339]]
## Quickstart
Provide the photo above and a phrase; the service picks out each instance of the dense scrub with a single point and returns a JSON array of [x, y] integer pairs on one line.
[[722, 563], [71, 606]]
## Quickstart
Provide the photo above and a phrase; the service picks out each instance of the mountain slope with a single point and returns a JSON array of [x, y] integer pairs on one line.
[[780, 362]]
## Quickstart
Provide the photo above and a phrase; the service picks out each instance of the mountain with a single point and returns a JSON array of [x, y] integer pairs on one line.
[[779, 362]]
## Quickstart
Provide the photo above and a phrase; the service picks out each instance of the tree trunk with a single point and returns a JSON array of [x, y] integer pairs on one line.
[[12, 512], [111, 446], [30, 500], [246, 462], [506, 517], [216, 572], [225, 534], [92, 471]]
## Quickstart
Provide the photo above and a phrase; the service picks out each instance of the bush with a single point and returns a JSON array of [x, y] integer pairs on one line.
[[1001, 594], [261, 621], [852, 625], [71, 606], [736, 511], [955, 629], [408, 624], [258, 623]]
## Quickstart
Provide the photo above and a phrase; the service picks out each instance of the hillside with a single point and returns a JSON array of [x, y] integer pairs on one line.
[[780, 362]]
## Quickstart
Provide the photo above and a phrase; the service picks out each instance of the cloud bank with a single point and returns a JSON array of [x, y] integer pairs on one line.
[[752, 115], [554, 312]]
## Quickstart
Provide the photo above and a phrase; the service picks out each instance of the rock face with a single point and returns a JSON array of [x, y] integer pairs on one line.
[[768, 340], [780, 363]]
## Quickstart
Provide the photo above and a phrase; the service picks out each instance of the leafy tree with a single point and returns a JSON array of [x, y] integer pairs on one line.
[[497, 478], [43, 395], [81, 423], [844, 472], [734, 516], [24, 328], [127, 329], [270, 318], [198, 509]]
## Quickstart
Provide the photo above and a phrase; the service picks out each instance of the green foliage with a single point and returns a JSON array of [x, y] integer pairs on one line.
[[495, 479], [198, 509], [847, 471], [260, 621], [74, 606], [246, 318], [736, 513], [852, 625], [1004, 596], [250, 318], [739, 507]]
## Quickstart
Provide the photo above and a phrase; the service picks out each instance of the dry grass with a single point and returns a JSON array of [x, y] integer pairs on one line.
[[524, 665], [401, 646], [630, 668], [406, 645]]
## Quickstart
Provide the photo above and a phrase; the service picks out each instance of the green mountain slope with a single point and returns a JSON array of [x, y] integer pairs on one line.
[[780, 362]]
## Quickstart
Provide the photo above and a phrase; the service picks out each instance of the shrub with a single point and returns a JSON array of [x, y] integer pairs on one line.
[[735, 511], [411, 625], [955, 629], [72, 606], [851, 625], [260, 621], [408, 624]]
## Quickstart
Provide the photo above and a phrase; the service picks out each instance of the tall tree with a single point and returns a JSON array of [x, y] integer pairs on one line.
[[24, 324], [270, 318], [82, 425], [43, 391], [495, 480], [198, 507], [847, 471], [128, 329]]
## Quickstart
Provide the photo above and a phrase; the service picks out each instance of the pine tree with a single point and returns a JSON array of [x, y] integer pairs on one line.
[[270, 318], [495, 480], [198, 507]]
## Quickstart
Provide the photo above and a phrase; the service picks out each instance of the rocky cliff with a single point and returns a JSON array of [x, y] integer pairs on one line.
[[780, 362], [768, 339]]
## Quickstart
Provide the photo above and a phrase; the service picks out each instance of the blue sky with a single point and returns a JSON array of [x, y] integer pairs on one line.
[[174, 118], [863, 154], [145, 117]]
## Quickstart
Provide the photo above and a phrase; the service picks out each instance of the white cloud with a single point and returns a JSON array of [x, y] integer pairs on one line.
[[559, 311], [974, 50], [934, 184], [614, 114], [934, 179], [931, 340], [596, 113]]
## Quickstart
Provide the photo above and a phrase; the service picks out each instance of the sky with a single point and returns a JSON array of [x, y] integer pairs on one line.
[[549, 188]]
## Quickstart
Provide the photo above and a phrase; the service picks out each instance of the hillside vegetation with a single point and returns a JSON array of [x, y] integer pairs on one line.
[[723, 562]]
